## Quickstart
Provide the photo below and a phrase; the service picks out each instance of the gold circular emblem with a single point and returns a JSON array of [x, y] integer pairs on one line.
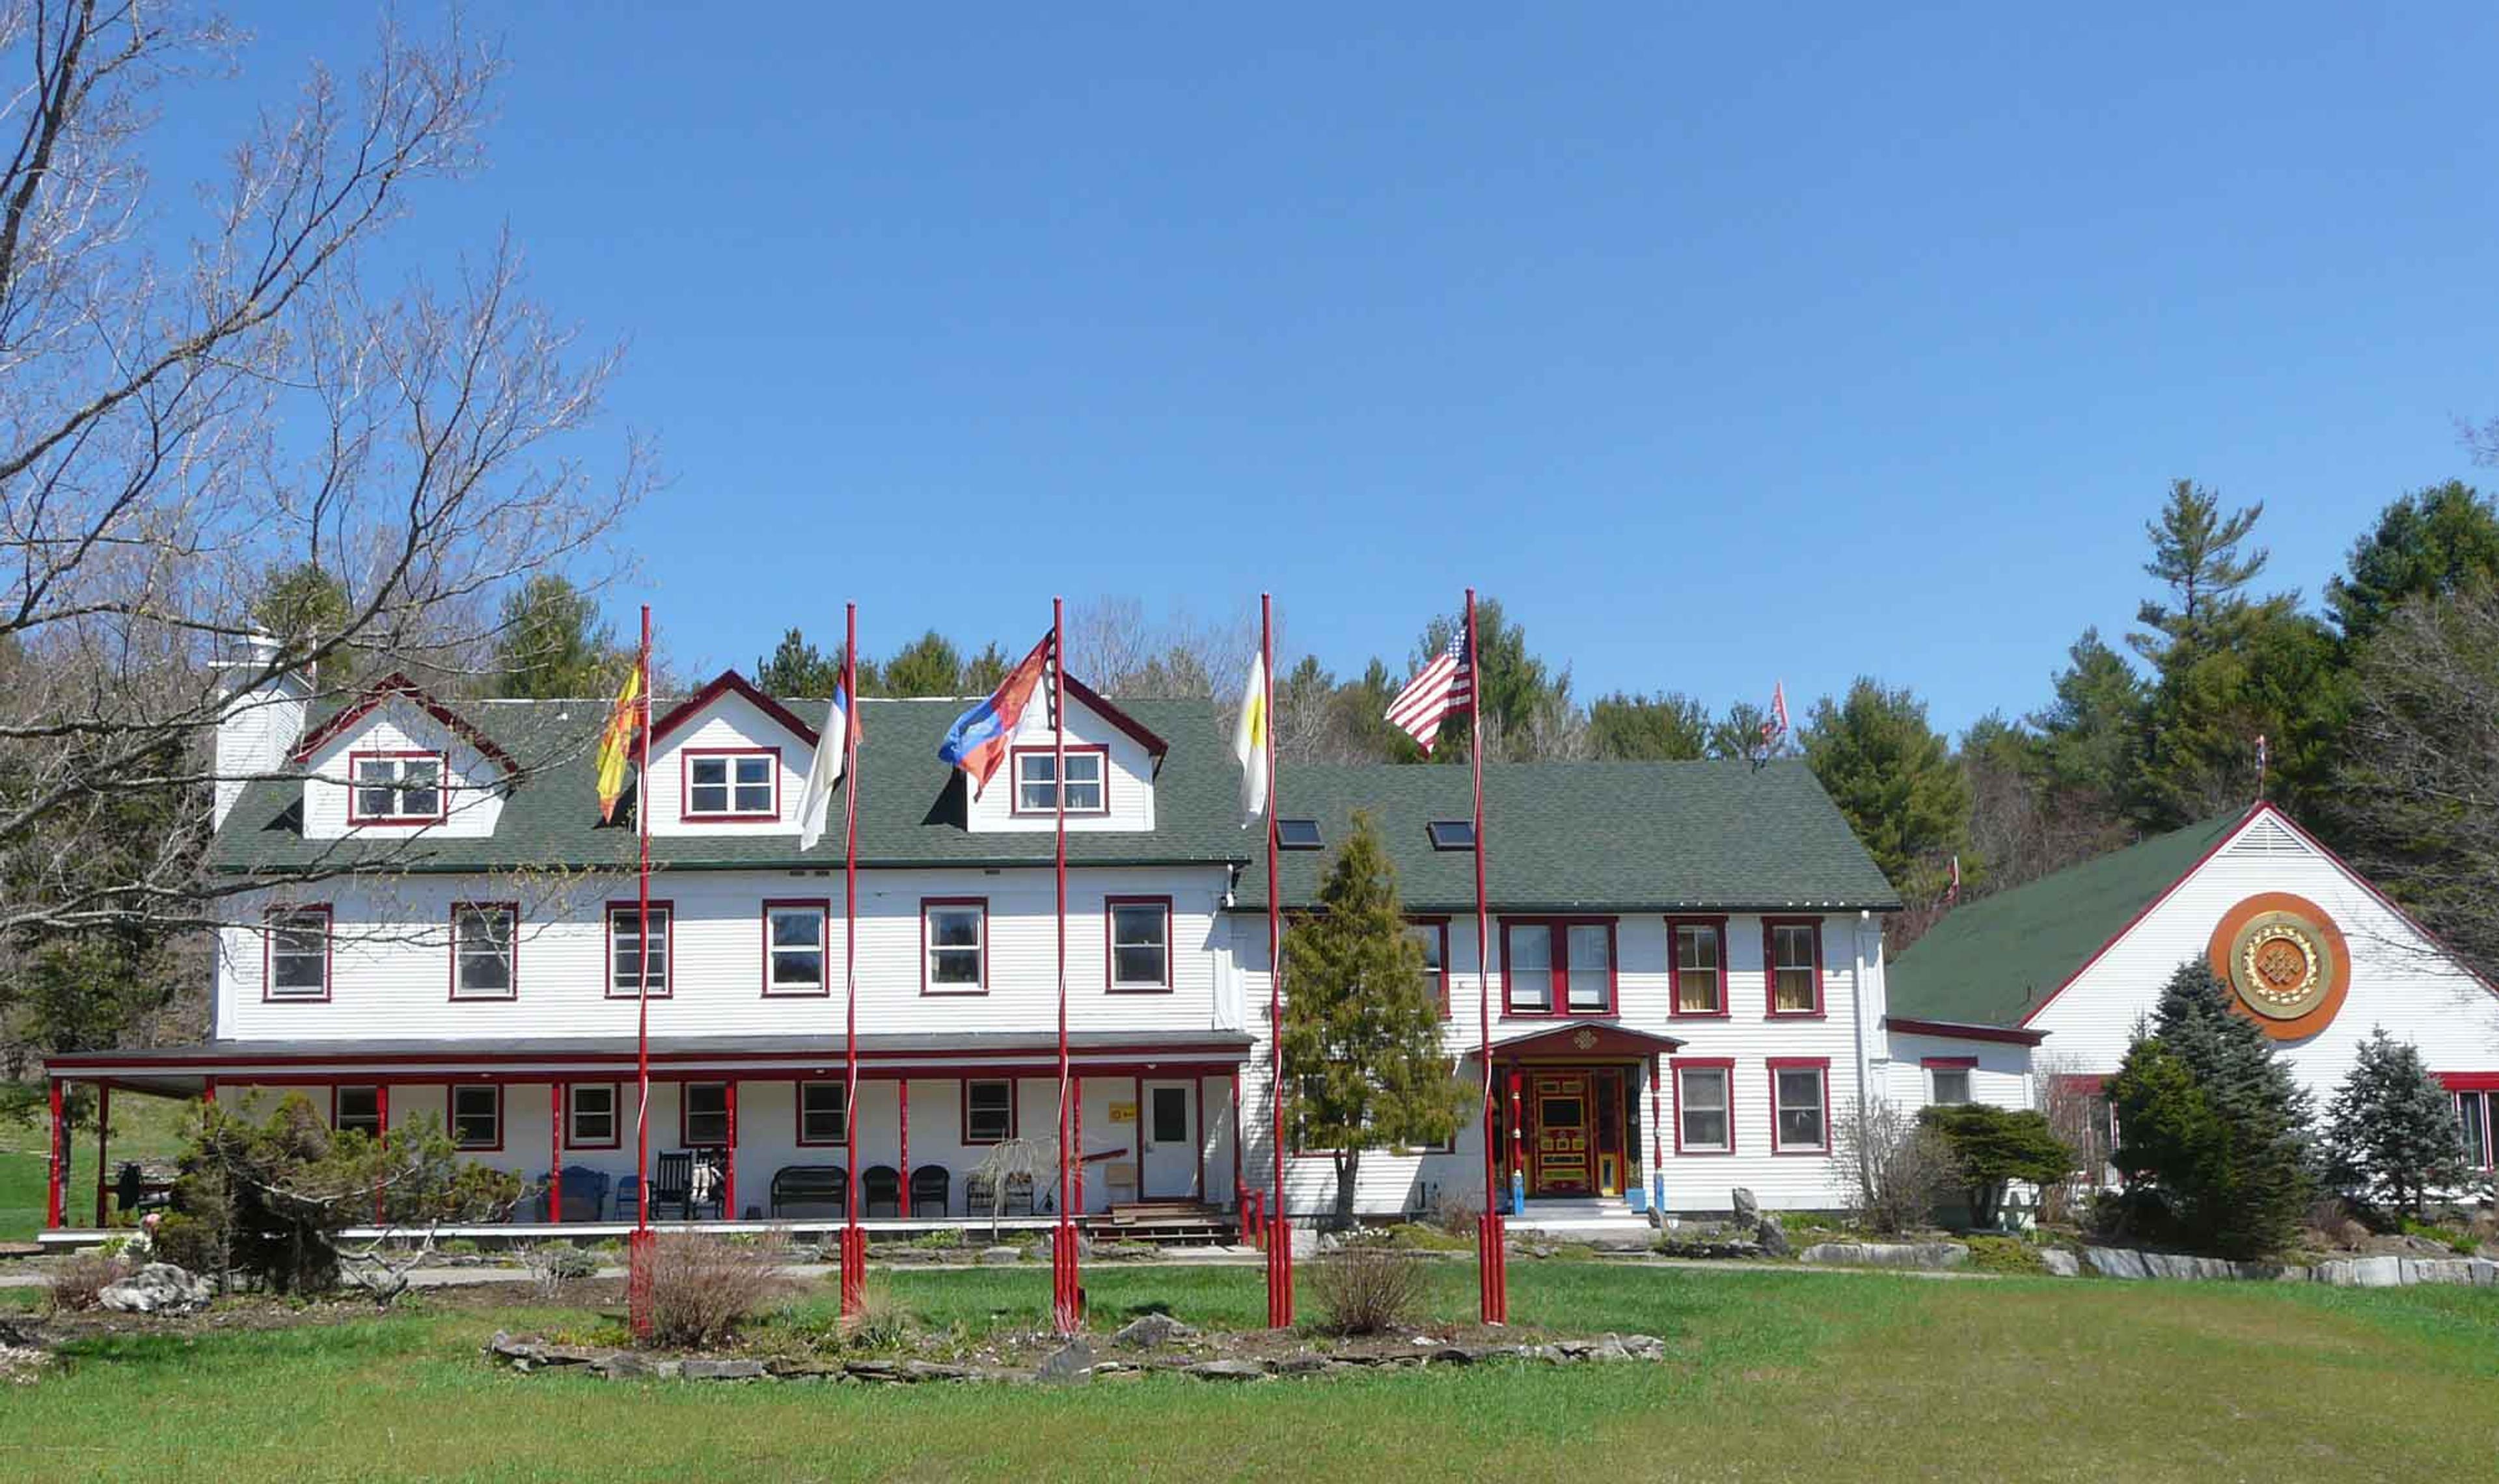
[[2284, 961], [1585, 1039]]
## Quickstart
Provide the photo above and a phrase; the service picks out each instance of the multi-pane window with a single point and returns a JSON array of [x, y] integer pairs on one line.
[[482, 954], [956, 935], [824, 1112], [2477, 1110], [359, 1108], [1795, 968], [299, 953], [989, 1111], [1037, 779], [397, 787], [1435, 940], [704, 1123], [733, 786], [1701, 1110], [590, 1115], [1800, 1113], [1558, 965], [1951, 1085], [1699, 957], [477, 1116], [795, 955], [624, 950], [1141, 945]]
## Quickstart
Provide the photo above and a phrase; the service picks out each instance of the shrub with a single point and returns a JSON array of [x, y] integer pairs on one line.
[[882, 1323], [702, 1288], [1365, 1290], [2392, 1133], [1896, 1170], [1991, 1147], [1456, 1211], [2005, 1254], [75, 1286], [554, 1264], [2212, 1131]]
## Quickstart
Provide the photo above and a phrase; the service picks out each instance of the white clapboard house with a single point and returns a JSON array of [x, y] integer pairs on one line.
[[1687, 969], [2049, 980]]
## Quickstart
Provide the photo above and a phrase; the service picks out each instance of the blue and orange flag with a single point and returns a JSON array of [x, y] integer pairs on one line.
[[977, 742]]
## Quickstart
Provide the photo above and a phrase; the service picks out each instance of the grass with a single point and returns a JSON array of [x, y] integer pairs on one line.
[[1774, 1377], [142, 1128]]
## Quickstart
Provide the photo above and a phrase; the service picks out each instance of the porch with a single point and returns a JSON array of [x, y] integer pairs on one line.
[[1577, 1128], [756, 1132]]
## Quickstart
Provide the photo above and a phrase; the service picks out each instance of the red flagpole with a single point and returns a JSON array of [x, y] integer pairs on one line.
[[637, 1281], [854, 1264], [1066, 1296], [1492, 1280], [1279, 1240]]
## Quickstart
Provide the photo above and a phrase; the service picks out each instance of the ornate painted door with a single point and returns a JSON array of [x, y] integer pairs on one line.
[[1563, 1150]]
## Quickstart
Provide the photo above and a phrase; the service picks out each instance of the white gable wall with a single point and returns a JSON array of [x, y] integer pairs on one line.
[[1129, 782], [2398, 977], [732, 722], [475, 798]]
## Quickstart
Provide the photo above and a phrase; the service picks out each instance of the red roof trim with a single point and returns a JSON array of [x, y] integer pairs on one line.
[[729, 682], [2365, 885], [1954, 1030], [1144, 737], [2148, 908], [397, 684]]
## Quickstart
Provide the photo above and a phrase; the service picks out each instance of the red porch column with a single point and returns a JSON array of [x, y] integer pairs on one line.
[[729, 1155], [1235, 1141], [1657, 1150], [209, 1090], [902, 1101], [1517, 1127], [55, 1154], [382, 1117], [103, 1130], [554, 1153]]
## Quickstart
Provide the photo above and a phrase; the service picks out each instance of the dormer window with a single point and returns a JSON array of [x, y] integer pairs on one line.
[[732, 785], [1036, 773], [396, 788]]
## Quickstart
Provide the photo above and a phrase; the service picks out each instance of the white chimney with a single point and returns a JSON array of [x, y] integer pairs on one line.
[[258, 727]]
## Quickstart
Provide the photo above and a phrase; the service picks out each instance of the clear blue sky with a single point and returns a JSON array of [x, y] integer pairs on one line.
[[1724, 348]]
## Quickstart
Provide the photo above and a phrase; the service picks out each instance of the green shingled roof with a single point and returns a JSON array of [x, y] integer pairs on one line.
[[1989, 962], [1569, 836], [1564, 836]]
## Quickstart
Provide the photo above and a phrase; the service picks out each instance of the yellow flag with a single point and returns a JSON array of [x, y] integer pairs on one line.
[[616, 747], [1250, 743]]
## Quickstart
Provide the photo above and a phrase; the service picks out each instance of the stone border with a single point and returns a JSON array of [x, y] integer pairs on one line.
[[1073, 1364], [2339, 1272]]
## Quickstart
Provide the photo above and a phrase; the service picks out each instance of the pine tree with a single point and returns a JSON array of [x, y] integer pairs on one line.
[[1894, 779], [2195, 554], [1362, 1023], [552, 644], [2427, 544], [2391, 1130], [2210, 1124], [797, 667]]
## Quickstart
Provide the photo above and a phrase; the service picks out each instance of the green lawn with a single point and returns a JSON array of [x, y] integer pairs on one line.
[[142, 1128], [22, 1196], [1775, 1376]]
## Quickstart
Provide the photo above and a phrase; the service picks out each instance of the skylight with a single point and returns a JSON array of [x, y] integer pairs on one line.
[[1452, 834], [1297, 835]]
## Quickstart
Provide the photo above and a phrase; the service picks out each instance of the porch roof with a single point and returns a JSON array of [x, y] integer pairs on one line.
[[183, 1068], [1585, 1037]]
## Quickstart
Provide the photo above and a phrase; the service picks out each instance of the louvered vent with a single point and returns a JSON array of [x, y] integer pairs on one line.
[[2267, 837]]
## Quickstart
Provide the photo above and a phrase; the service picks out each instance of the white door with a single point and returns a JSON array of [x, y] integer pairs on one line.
[[1167, 1127]]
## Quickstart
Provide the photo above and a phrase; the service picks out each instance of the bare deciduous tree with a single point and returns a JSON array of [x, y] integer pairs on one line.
[[195, 410], [1894, 1171]]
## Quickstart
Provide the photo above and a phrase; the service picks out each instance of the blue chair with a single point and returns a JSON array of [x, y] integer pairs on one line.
[[585, 1193], [628, 1196]]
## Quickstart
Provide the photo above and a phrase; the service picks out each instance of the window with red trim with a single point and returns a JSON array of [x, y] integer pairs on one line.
[[1036, 780], [954, 947], [1704, 1109], [797, 953], [1791, 951], [824, 1113], [1799, 1106], [703, 1116], [625, 955], [1433, 934], [1558, 966], [298, 941], [2474, 1108], [590, 1120], [1700, 966], [356, 1108], [396, 788], [1141, 945], [743, 783], [483, 958]]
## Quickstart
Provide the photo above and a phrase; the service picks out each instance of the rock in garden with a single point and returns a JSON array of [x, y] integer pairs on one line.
[[723, 1370], [933, 1371], [1302, 1364], [2061, 1263], [1774, 1238], [1644, 1346], [159, 1288], [1228, 1371], [1071, 1362], [998, 1257], [1450, 1355], [623, 1366], [1148, 1331], [1747, 1209]]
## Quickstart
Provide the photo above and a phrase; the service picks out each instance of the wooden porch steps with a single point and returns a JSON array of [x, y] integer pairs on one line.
[[1172, 1222]]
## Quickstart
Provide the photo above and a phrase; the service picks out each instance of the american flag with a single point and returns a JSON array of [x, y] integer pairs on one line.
[[1774, 726], [1443, 686]]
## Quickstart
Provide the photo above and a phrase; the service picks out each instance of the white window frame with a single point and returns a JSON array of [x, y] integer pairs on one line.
[[1684, 1108], [1036, 787], [298, 934], [624, 924], [464, 950], [2480, 1120], [1780, 1143], [839, 1113], [818, 914], [741, 797], [930, 949], [1713, 938], [1161, 910], [1935, 1086], [452, 1116], [386, 775], [341, 1122], [1007, 1111], [573, 1113]]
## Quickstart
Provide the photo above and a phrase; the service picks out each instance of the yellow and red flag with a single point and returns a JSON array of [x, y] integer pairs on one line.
[[616, 745]]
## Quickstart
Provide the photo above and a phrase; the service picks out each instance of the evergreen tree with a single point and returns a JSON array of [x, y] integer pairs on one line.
[[301, 606], [984, 672], [2211, 1128], [552, 644], [1517, 691], [927, 665], [1362, 1023], [2195, 554], [2089, 736], [1893, 776], [1666, 728], [800, 668], [1738, 735], [1996, 1147], [2427, 544], [2391, 1130]]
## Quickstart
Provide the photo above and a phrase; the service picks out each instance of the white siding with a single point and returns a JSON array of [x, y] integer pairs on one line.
[[733, 721], [2003, 1076], [1129, 783], [472, 782], [2399, 979]]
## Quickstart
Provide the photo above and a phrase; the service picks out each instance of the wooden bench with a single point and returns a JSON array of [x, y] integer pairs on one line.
[[811, 1185]]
